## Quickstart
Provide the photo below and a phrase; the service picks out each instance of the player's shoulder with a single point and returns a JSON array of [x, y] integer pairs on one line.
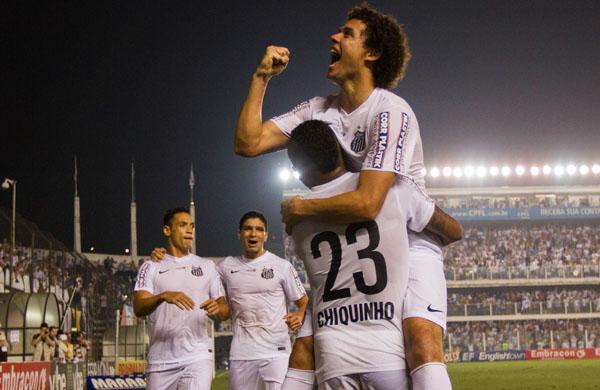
[[148, 266], [388, 99]]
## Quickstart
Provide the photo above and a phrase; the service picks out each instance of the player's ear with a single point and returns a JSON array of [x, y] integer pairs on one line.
[[167, 230], [372, 55]]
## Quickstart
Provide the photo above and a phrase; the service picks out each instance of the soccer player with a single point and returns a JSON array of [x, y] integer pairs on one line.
[[379, 134], [258, 285], [177, 294], [358, 272]]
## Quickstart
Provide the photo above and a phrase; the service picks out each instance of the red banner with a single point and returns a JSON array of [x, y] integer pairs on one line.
[[562, 354], [28, 375]]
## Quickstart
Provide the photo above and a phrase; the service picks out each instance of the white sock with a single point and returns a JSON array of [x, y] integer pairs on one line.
[[299, 380], [431, 376]]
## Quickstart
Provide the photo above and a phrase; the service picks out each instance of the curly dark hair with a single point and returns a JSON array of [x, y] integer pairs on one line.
[[316, 141], [387, 37]]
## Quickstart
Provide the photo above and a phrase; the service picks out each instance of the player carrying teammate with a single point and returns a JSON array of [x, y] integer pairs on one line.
[[379, 134], [176, 295]]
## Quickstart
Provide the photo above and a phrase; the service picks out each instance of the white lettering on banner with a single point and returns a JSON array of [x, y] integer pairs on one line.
[[30, 379]]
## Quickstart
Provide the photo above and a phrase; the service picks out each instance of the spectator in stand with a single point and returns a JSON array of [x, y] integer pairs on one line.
[[43, 346], [3, 346], [62, 347]]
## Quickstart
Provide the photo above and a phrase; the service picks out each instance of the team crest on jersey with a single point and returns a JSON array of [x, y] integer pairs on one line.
[[197, 271], [358, 143], [267, 273]]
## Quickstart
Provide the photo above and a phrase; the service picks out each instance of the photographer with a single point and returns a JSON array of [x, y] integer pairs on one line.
[[43, 345]]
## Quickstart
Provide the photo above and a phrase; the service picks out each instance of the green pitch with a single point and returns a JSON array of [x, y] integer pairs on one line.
[[522, 375]]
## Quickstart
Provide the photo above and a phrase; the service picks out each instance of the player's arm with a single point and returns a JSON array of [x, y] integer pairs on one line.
[[254, 137], [362, 204], [294, 319], [217, 307], [144, 302], [446, 228]]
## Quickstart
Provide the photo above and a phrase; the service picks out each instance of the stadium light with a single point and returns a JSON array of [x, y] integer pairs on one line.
[[547, 169], [494, 171], [469, 171], [559, 170], [595, 169], [520, 170], [481, 171], [584, 170], [284, 174], [534, 171], [571, 169], [447, 171], [505, 171], [296, 175], [126, 251], [457, 172], [434, 172]]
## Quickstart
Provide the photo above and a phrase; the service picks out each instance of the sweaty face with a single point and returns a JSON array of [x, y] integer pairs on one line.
[[253, 235], [348, 53], [180, 233]]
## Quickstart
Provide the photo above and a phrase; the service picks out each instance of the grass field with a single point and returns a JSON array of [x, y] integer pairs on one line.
[[520, 375]]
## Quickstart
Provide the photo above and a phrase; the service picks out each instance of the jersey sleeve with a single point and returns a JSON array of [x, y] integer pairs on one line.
[[216, 285], [393, 137], [417, 205], [145, 278], [291, 119], [292, 285]]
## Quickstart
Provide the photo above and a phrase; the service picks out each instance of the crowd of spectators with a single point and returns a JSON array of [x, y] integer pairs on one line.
[[498, 202], [526, 246], [512, 301], [522, 335]]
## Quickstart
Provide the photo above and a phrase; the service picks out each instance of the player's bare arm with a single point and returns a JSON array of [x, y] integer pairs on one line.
[[294, 319], [446, 228], [362, 204], [217, 307], [254, 137], [144, 302]]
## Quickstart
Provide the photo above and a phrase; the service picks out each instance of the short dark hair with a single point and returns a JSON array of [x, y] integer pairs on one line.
[[169, 214], [315, 139], [44, 325], [253, 214], [386, 36]]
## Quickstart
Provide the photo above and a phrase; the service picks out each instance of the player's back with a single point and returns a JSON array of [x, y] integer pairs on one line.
[[358, 274]]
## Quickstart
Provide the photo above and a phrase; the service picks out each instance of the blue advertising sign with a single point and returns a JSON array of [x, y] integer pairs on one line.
[[492, 356], [520, 214]]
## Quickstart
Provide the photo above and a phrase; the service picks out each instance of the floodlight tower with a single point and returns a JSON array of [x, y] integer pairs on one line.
[[133, 217], [76, 214]]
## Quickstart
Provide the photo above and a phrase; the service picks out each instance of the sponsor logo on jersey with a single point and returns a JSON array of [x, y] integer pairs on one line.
[[142, 276], [197, 271], [400, 144], [432, 310], [358, 312], [358, 143], [382, 139], [267, 273], [294, 111]]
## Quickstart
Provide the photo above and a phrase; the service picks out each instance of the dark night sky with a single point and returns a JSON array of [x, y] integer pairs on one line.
[[161, 83]]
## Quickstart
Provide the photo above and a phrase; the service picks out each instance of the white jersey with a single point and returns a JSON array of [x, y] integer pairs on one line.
[[257, 290], [179, 337], [358, 275], [381, 134]]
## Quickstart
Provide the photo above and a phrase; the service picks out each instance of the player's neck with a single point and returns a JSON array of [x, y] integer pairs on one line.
[[355, 92], [176, 252], [330, 176], [254, 255]]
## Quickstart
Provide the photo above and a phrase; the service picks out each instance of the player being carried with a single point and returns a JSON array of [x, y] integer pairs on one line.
[[379, 135], [176, 295]]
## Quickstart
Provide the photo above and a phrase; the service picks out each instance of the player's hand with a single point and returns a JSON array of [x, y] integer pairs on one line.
[[294, 320], [158, 254], [211, 306], [179, 299], [273, 62], [289, 215]]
